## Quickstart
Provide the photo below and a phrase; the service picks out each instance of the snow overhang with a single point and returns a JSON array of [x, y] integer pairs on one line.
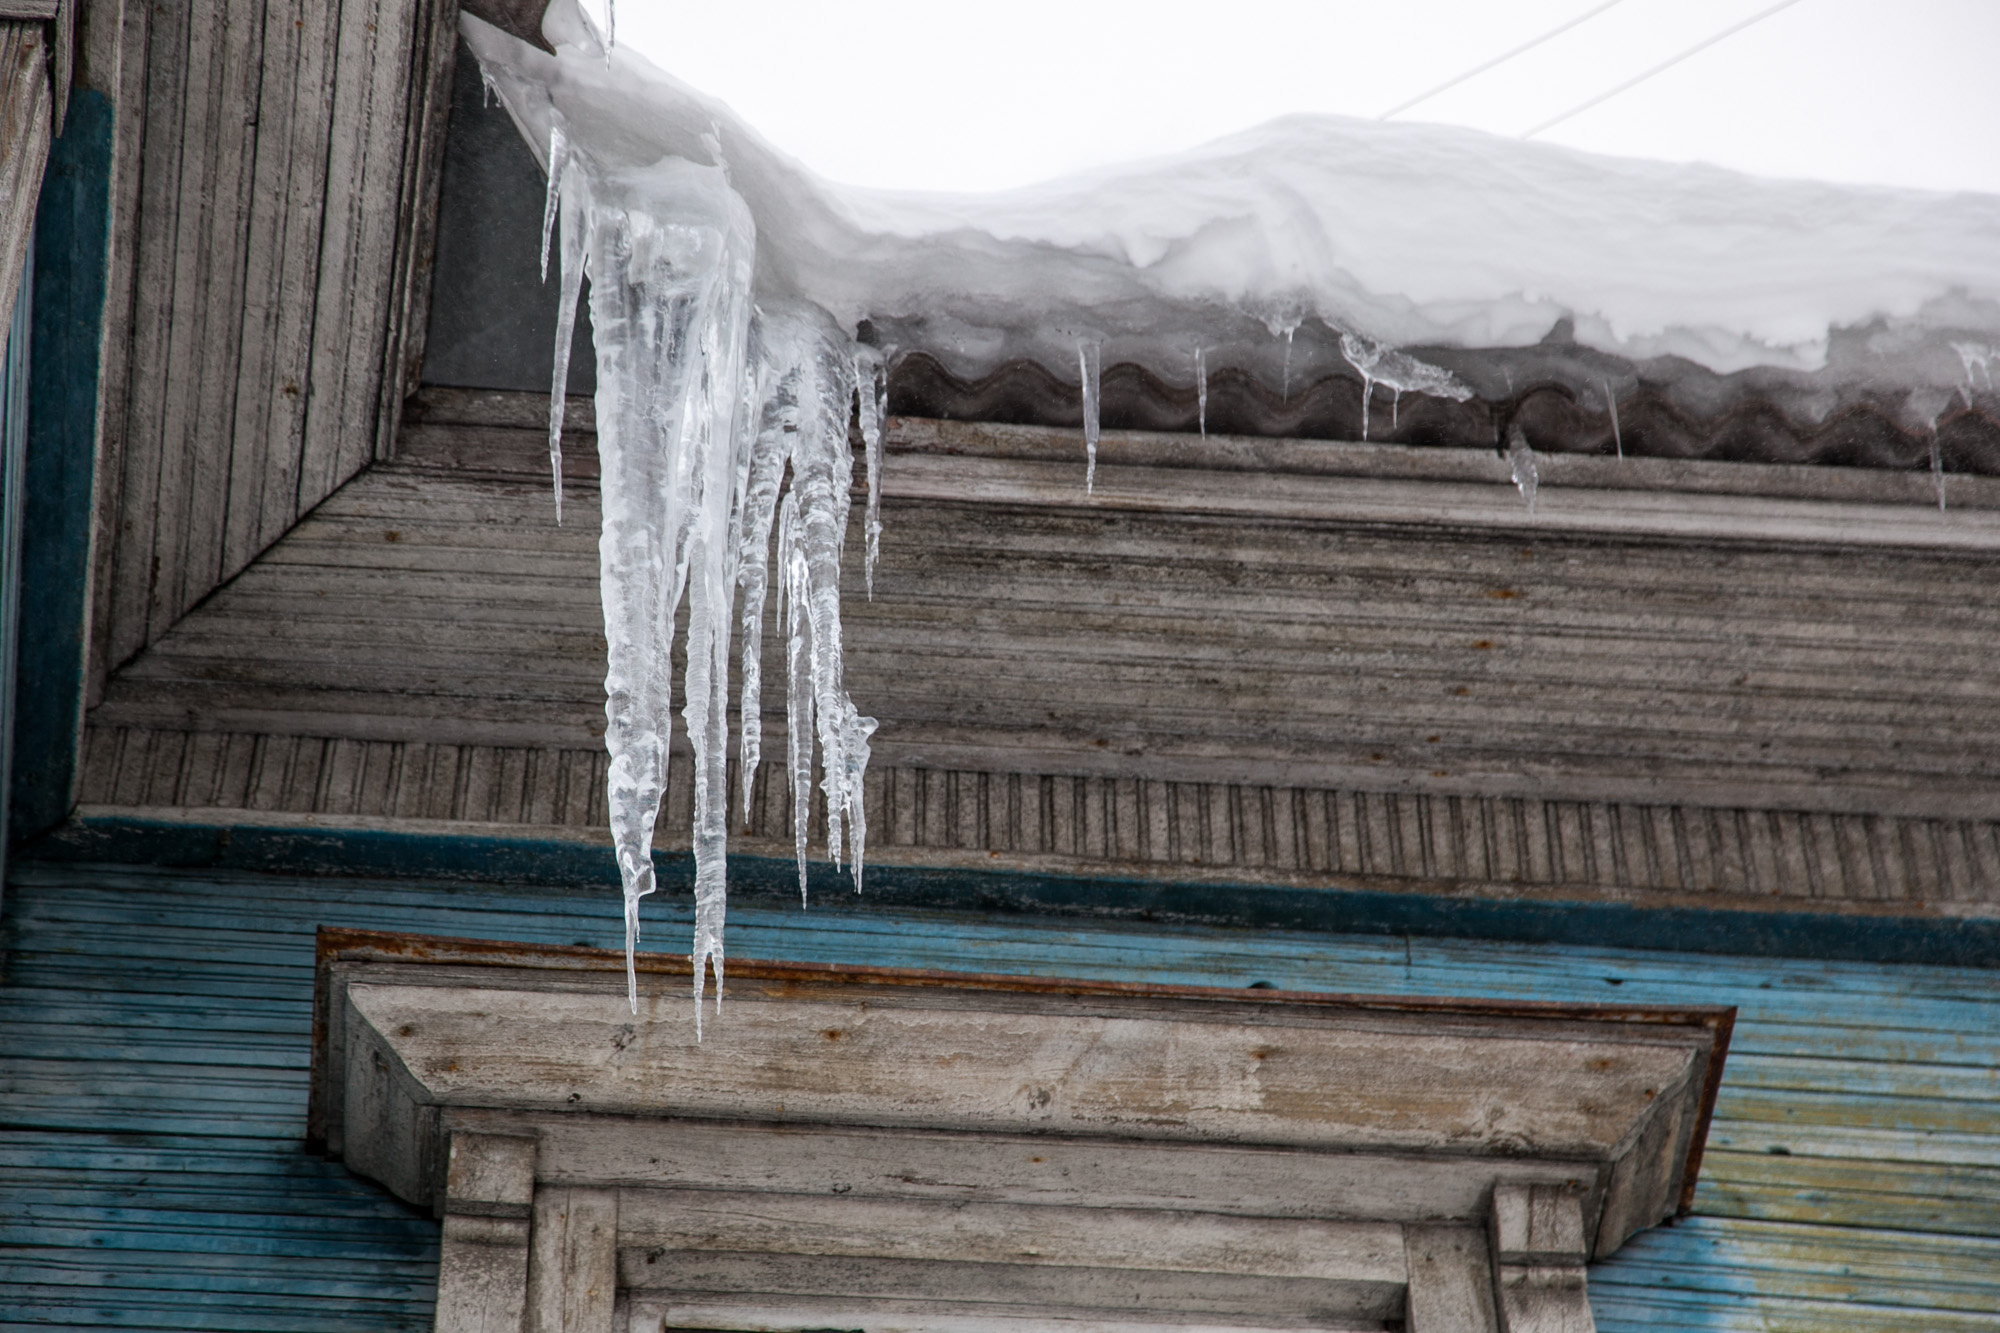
[[939, 1150]]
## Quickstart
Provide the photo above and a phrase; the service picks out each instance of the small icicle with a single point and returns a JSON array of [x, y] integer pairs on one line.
[[777, 418], [610, 28], [1285, 391], [569, 293], [1976, 357], [871, 378], [558, 165], [1087, 359], [1521, 461], [1937, 465], [488, 89], [1395, 401], [795, 580], [1367, 392], [1617, 436], [1201, 390]]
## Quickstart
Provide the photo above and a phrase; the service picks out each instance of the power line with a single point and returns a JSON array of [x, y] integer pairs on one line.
[[1457, 79], [1660, 68]]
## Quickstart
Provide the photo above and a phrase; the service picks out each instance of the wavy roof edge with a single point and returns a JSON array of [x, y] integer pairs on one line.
[[1554, 417]]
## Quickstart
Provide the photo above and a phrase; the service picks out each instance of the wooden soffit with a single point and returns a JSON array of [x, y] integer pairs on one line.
[[900, 1150]]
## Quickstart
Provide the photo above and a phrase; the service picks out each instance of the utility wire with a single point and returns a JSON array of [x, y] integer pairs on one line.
[[1457, 79], [1660, 68]]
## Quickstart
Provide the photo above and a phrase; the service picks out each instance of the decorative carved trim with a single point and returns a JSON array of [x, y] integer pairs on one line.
[[1069, 823]]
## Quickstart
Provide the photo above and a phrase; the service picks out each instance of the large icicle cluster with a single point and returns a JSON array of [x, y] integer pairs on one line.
[[729, 287], [705, 405]]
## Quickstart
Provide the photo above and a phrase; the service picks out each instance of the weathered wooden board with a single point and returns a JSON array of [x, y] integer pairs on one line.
[[1731, 717], [24, 146], [1364, 1083], [278, 160], [773, 1313], [1037, 1236], [1062, 1292], [1451, 1281], [1022, 1169]]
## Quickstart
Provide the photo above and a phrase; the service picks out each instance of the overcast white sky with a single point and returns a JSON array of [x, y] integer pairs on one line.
[[939, 94]]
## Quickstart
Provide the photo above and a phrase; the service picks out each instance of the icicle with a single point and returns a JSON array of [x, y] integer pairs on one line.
[[558, 167], [812, 525], [610, 28], [1521, 461], [1286, 391], [488, 89], [1937, 465], [670, 303], [1976, 357], [1395, 400], [1617, 436], [1398, 371], [798, 680], [570, 291], [777, 419], [1201, 390], [1087, 355], [871, 377]]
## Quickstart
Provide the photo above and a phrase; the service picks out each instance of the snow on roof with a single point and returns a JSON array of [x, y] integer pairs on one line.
[[1440, 240]]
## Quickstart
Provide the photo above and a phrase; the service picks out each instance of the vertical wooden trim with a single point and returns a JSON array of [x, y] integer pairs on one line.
[[24, 147], [116, 36], [483, 1257], [573, 1261], [1451, 1280], [434, 57], [1539, 1252], [69, 252]]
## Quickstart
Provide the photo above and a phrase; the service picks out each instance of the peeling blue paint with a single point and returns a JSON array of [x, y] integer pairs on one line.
[[153, 1052]]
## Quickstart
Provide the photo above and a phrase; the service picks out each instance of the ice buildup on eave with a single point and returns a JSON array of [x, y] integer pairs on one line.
[[1317, 273]]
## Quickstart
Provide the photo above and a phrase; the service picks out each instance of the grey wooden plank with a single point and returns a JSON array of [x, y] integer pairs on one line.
[[1154, 1241], [141, 456], [1040, 1170], [1451, 1280], [482, 1275], [766, 1292], [25, 112], [433, 57], [1297, 1085], [573, 1260], [371, 95], [280, 281]]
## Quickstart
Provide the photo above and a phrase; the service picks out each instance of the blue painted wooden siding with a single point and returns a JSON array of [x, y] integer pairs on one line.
[[153, 1053], [72, 242]]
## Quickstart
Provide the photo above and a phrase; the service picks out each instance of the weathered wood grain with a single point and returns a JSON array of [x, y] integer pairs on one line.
[[1058, 1294], [678, 1154], [482, 1275], [1155, 1241], [1451, 1280], [489, 1175], [1613, 714], [573, 1260], [1349, 1087], [24, 146], [421, 1040], [284, 153], [1061, 823], [1538, 1233]]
